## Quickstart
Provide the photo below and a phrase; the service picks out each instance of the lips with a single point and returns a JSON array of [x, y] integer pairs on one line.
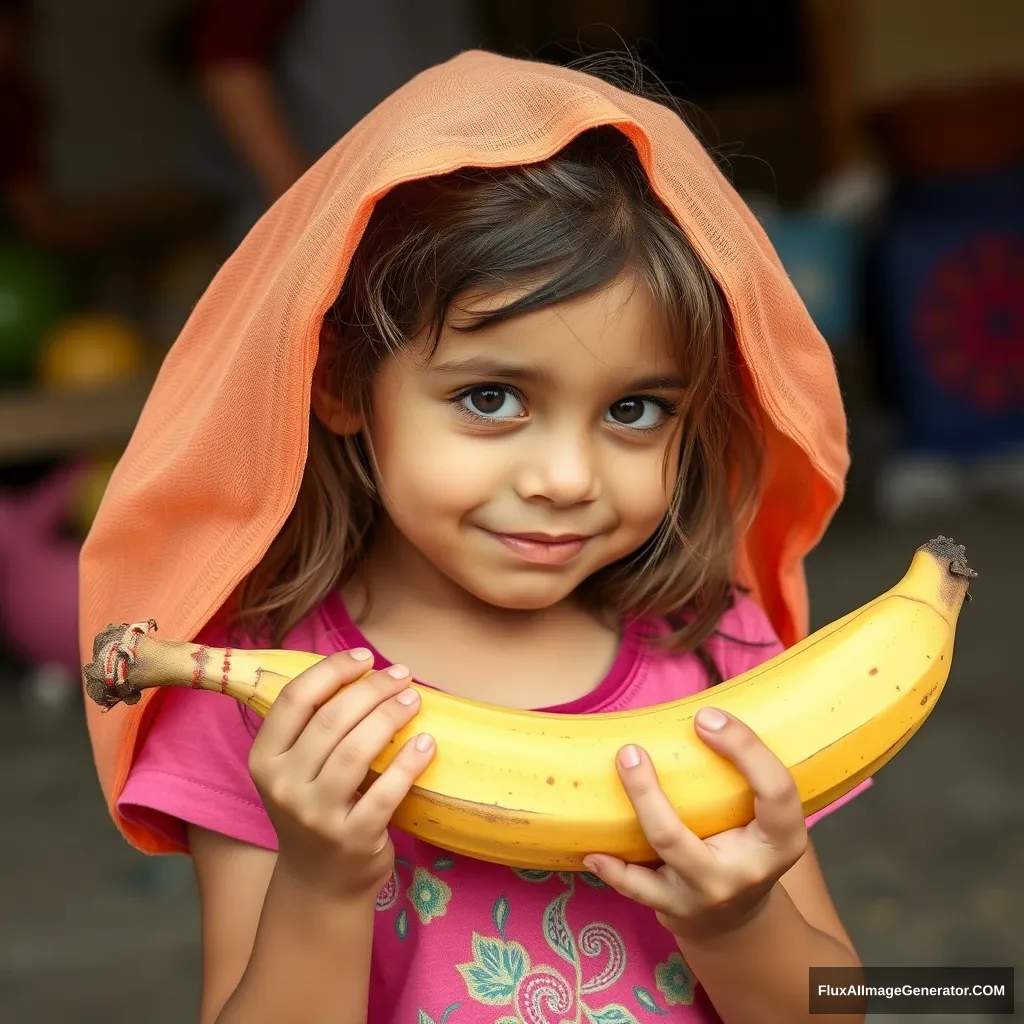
[[548, 538], [544, 548]]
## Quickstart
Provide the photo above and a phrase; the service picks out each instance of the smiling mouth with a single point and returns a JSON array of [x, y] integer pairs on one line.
[[548, 538], [544, 548]]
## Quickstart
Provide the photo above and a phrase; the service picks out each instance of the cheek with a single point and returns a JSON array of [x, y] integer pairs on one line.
[[444, 478], [643, 488]]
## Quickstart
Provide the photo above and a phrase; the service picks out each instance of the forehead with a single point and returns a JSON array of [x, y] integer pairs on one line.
[[616, 331]]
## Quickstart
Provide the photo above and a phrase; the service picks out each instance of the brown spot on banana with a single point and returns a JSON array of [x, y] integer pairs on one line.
[[490, 813]]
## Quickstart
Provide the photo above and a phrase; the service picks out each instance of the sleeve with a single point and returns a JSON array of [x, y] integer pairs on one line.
[[245, 30], [193, 767], [746, 639]]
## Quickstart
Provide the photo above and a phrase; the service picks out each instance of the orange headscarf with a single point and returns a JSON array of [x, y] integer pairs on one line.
[[213, 468]]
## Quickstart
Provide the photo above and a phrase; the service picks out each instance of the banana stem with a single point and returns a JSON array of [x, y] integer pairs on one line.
[[126, 661]]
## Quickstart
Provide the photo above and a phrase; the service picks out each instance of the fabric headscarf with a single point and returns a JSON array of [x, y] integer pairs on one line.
[[213, 467]]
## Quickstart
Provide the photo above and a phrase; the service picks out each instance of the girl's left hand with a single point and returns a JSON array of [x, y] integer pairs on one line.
[[705, 888]]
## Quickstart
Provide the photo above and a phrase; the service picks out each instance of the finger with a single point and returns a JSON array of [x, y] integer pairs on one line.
[[673, 842], [375, 808], [778, 812], [633, 881], [361, 718], [346, 766], [299, 699]]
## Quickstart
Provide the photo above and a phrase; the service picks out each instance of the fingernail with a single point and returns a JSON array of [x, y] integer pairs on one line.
[[360, 654], [408, 697], [711, 718], [630, 756], [398, 671], [424, 742], [590, 864]]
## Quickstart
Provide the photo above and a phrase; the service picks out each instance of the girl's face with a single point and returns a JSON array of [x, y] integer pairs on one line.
[[521, 459]]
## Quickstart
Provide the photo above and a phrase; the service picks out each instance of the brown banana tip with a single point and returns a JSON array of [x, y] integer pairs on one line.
[[945, 549], [113, 651]]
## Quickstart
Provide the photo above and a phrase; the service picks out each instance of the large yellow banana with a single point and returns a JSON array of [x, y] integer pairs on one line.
[[540, 790]]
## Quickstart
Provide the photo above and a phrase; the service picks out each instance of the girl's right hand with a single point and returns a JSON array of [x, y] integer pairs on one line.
[[311, 753]]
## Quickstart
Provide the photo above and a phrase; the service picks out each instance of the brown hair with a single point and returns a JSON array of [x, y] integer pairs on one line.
[[574, 223]]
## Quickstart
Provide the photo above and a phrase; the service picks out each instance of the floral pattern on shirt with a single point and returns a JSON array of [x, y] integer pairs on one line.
[[563, 988]]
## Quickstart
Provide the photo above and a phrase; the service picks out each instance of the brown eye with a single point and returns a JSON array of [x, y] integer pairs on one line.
[[492, 403], [641, 413], [629, 410], [487, 401]]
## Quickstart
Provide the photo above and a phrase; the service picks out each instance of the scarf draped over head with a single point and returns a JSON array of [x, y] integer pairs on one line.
[[213, 468]]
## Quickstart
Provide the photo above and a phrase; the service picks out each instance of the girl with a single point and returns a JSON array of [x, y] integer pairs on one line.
[[508, 396]]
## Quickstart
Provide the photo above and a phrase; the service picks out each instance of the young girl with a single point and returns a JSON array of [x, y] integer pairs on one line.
[[508, 396]]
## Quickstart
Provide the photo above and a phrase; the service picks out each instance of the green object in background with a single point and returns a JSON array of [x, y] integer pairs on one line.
[[34, 294]]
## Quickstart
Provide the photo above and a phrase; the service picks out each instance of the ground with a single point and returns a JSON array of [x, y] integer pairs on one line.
[[925, 867]]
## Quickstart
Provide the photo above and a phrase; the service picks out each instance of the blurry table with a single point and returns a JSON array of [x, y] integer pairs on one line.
[[36, 424]]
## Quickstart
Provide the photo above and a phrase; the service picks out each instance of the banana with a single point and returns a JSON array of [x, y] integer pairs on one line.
[[539, 790]]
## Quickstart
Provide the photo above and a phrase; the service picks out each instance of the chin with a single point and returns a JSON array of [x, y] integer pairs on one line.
[[530, 596]]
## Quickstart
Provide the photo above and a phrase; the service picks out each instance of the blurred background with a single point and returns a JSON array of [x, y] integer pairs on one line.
[[881, 144]]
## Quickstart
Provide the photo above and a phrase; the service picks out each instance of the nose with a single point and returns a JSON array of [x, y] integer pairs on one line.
[[559, 468]]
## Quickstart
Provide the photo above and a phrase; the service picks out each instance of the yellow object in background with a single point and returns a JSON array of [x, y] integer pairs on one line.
[[92, 350]]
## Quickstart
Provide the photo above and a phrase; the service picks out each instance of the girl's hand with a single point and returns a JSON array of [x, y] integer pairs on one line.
[[314, 750], [705, 888]]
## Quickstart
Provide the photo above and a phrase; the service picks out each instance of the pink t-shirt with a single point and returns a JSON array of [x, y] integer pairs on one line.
[[459, 940]]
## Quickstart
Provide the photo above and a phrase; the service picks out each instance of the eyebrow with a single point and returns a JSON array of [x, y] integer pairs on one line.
[[485, 367]]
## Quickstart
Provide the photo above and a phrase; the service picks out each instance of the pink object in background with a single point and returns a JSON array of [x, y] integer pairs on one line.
[[39, 578]]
